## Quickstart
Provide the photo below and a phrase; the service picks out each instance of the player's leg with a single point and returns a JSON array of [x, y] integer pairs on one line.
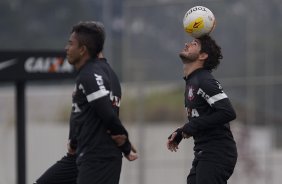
[[99, 171], [212, 173], [191, 178], [62, 172]]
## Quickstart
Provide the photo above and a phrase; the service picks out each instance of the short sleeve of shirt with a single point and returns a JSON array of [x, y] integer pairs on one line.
[[93, 86], [211, 91]]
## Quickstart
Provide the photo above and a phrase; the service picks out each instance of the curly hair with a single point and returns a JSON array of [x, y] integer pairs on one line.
[[92, 35], [209, 46]]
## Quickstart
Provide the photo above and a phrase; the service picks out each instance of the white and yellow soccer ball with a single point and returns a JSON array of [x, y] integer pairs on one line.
[[199, 21]]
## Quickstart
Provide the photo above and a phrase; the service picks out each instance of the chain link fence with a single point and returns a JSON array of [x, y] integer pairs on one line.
[[144, 38]]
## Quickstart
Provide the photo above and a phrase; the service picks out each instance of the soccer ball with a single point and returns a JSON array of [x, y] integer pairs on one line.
[[198, 21]]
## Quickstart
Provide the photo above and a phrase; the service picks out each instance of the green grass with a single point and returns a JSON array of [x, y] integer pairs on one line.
[[155, 107]]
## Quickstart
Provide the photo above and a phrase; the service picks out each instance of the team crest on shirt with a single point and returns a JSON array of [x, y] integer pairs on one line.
[[190, 93]]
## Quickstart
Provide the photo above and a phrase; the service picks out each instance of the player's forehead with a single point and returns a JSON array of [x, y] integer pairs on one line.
[[196, 41], [73, 37]]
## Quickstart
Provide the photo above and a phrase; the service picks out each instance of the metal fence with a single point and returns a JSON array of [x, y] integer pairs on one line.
[[143, 48], [250, 72]]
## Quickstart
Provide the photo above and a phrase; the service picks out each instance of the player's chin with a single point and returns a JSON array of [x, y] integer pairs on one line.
[[182, 54], [184, 57], [70, 60]]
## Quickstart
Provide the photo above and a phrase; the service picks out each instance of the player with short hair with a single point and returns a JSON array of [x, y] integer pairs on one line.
[[97, 137], [209, 112]]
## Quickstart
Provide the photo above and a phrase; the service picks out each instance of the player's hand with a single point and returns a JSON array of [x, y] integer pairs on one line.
[[171, 143], [132, 155], [70, 150]]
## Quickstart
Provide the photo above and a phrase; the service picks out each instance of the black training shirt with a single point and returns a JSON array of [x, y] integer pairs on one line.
[[209, 112], [95, 107]]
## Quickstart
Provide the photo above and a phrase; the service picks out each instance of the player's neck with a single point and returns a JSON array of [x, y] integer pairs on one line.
[[100, 55], [81, 62], [188, 68]]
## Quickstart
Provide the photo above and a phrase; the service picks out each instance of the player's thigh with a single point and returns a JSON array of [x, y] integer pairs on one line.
[[191, 178], [99, 171], [62, 172], [212, 173]]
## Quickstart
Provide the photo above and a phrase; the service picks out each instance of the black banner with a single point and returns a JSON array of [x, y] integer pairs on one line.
[[41, 65]]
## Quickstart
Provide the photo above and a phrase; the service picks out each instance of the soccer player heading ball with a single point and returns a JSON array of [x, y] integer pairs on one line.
[[209, 113]]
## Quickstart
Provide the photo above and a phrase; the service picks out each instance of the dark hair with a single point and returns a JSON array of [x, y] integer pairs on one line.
[[209, 46], [92, 35]]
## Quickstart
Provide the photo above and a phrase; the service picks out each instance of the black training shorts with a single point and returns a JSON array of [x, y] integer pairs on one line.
[[62, 172], [103, 171], [205, 172]]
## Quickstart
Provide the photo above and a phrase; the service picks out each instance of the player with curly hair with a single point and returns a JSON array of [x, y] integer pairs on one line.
[[209, 112]]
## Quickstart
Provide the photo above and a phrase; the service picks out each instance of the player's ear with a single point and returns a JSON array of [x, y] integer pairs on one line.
[[203, 56], [83, 50]]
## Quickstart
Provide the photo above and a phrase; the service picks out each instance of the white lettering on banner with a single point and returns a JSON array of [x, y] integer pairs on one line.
[[47, 65]]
